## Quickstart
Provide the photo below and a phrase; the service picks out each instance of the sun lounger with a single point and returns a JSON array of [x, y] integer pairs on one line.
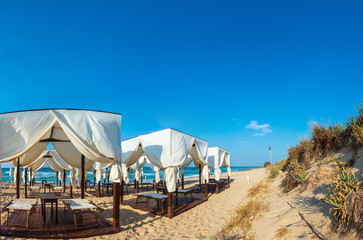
[[185, 192], [160, 198], [19, 206], [81, 206]]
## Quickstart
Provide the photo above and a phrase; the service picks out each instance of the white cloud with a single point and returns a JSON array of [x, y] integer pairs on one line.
[[263, 128]]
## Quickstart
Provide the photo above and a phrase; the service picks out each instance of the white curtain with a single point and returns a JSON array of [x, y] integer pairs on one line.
[[116, 173], [125, 173]]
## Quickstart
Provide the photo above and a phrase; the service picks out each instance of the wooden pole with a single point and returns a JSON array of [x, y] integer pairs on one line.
[[170, 205], [122, 192], [30, 179], [183, 182], [57, 178], [205, 190], [71, 190], [137, 186], [99, 189], [82, 176], [116, 207], [18, 179], [64, 180], [217, 190], [200, 173], [26, 183], [228, 181]]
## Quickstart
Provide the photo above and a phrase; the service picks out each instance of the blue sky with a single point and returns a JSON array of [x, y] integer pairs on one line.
[[242, 75]]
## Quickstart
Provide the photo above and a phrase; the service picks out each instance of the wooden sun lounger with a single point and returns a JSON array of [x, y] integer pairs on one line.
[[160, 198], [19, 206], [185, 192], [81, 206]]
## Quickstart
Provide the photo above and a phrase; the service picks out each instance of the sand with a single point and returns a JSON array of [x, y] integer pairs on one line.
[[200, 222]]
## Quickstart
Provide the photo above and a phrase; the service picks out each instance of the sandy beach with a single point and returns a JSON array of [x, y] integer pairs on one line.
[[200, 222]]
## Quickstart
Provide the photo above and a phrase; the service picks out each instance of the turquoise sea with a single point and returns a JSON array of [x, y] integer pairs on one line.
[[149, 175]]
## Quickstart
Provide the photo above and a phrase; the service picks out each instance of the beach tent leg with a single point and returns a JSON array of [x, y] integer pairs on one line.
[[82, 176], [217, 190], [26, 183], [64, 180], [137, 186], [200, 174], [228, 181], [116, 207], [57, 178], [18, 179], [170, 205], [122, 192], [99, 189], [182, 182], [205, 191], [71, 190]]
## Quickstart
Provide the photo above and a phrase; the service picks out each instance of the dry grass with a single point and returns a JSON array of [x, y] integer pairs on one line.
[[261, 187], [281, 233], [275, 169]]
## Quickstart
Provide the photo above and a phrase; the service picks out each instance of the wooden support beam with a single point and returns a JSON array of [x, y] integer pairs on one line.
[[228, 181], [26, 183], [82, 176], [71, 190], [217, 190], [170, 205], [30, 179], [18, 179], [205, 190], [99, 189], [200, 173], [122, 192], [57, 178], [137, 186], [64, 180], [116, 207], [183, 182]]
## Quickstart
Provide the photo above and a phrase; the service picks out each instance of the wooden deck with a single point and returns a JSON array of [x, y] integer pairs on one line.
[[65, 229], [152, 207]]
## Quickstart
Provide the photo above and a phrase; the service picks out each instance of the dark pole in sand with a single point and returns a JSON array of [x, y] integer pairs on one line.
[[200, 174], [116, 207], [217, 187], [183, 182], [137, 186], [18, 179], [26, 183], [228, 180], [205, 190], [57, 178], [30, 179], [99, 189], [82, 176], [170, 204], [122, 192], [64, 180]]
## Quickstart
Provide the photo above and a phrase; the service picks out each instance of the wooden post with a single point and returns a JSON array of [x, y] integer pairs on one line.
[[137, 186], [26, 183], [183, 182], [116, 207], [31, 175], [82, 176], [205, 190], [217, 190], [99, 189], [18, 179], [71, 190], [200, 174], [176, 196], [122, 192], [170, 205], [57, 178], [228, 181], [64, 180]]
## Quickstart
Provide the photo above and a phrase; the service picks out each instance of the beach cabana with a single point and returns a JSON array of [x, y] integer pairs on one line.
[[79, 137], [217, 158], [166, 149]]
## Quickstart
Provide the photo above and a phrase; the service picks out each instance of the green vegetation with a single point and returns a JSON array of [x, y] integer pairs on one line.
[[323, 142], [343, 184], [266, 164], [275, 169]]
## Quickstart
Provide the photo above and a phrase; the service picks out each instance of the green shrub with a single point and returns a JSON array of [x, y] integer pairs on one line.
[[343, 183], [266, 164]]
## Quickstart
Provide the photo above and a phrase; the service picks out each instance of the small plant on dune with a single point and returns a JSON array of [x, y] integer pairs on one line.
[[266, 164], [301, 175], [343, 184], [281, 233], [259, 188]]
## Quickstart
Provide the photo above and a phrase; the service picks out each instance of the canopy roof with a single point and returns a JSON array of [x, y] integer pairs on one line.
[[96, 135], [218, 157], [166, 149]]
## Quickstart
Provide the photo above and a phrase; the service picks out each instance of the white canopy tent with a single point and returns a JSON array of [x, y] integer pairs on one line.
[[217, 158], [79, 136], [166, 149]]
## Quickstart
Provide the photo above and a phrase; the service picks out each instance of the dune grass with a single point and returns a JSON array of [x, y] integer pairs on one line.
[[281, 233]]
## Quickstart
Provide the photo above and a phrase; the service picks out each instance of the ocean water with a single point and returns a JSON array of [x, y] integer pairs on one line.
[[149, 175]]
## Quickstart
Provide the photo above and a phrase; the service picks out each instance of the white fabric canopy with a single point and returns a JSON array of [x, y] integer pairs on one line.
[[96, 135], [166, 149], [216, 158]]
